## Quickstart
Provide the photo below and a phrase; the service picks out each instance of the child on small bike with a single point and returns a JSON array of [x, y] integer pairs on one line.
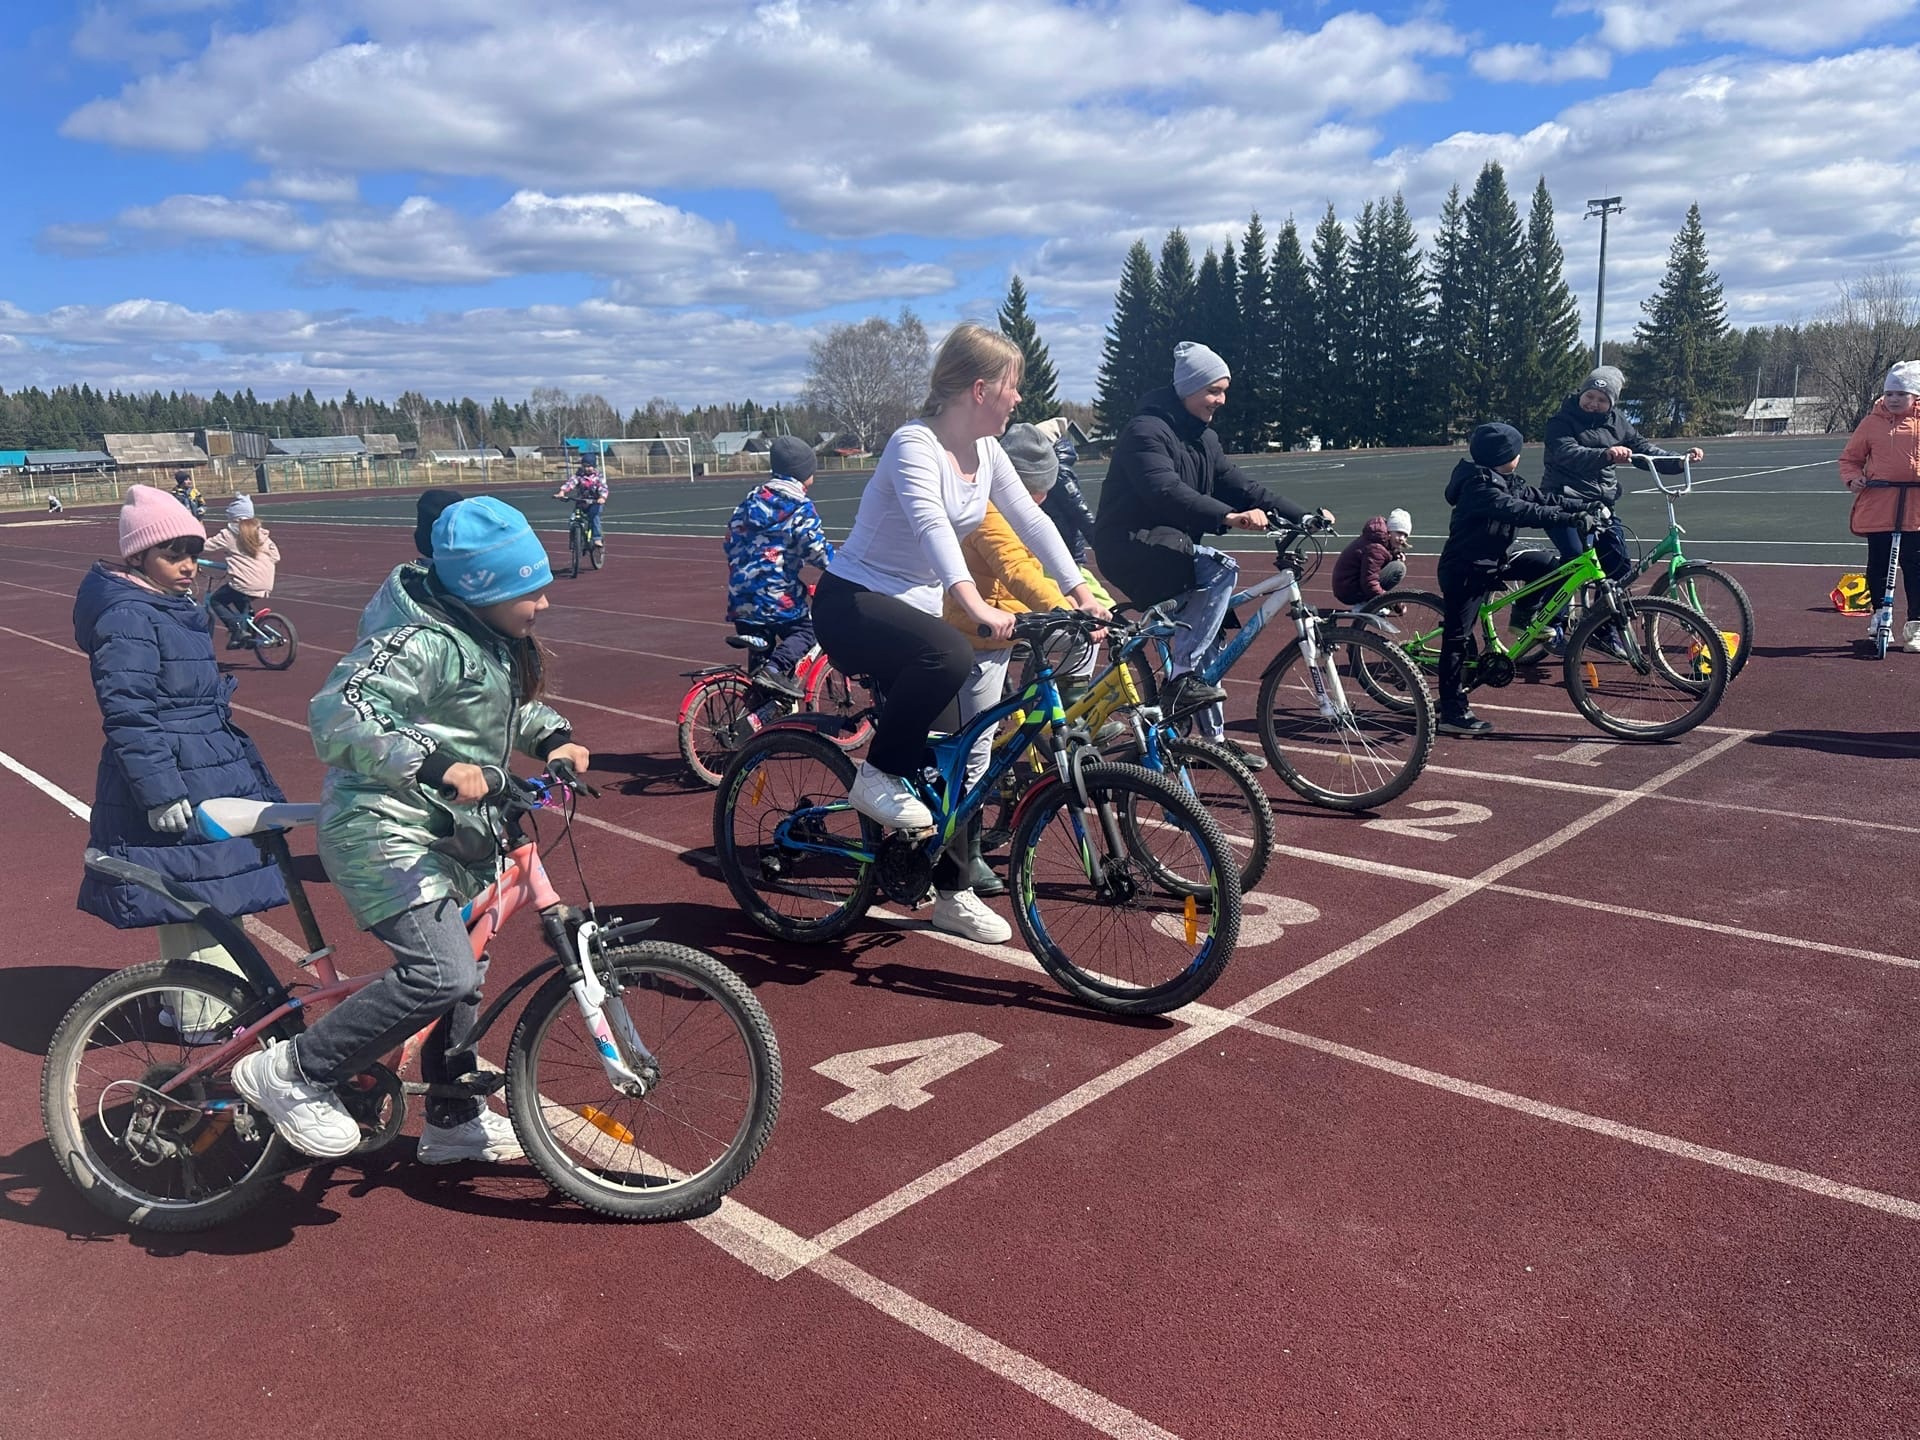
[[188, 493], [448, 681], [171, 740], [1490, 501], [1375, 560], [587, 488], [772, 533], [250, 555], [1065, 503]]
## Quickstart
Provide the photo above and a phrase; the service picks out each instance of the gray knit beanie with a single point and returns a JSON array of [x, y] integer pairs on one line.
[[1032, 456], [790, 456], [1608, 380], [1195, 367]]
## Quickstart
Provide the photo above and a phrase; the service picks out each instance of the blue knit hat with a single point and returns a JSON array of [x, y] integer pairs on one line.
[[485, 552]]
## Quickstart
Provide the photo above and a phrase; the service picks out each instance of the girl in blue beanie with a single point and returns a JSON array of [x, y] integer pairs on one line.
[[448, 679]]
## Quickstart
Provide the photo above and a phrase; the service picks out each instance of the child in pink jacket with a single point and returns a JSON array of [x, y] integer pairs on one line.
[[250, 556]]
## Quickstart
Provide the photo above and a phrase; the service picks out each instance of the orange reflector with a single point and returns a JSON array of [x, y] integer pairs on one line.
[[1593, 675], [1731, 641], [759, 787], [606, 1124], [1192, 912]]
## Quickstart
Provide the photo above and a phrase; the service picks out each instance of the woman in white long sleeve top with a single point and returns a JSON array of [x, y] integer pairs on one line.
[[877, 609]]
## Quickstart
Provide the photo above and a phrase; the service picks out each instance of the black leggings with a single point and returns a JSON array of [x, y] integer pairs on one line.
[[918, 659], [1879, 552]]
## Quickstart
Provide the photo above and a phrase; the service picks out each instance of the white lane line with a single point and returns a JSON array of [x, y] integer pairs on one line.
[[1745, 475], [1089, 1407], [1813, 1184], [612, 710]]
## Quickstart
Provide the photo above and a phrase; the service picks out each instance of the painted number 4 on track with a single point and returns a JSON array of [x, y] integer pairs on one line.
[[915, 1064]]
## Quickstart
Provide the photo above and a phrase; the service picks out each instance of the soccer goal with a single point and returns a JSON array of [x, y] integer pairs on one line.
[[667, 457]]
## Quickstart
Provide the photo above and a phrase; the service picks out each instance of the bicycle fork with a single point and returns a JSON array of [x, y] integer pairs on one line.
[[632, 1069]]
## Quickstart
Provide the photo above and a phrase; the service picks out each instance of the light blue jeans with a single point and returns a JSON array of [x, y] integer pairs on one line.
[[1199, 613]]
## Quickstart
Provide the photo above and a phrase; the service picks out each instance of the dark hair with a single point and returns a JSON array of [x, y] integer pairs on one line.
[[529, 670]]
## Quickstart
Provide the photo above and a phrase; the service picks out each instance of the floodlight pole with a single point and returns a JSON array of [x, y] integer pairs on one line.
[[1609, 205]]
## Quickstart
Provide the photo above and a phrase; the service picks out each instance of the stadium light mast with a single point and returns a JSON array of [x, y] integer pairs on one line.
[[1608, 205]]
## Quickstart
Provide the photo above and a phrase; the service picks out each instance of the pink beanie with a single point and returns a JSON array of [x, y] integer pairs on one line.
[[152, 517]]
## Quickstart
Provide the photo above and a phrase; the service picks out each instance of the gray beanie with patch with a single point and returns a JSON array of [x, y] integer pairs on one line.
[[1608, 380], [1195, 367], [1033, 459]]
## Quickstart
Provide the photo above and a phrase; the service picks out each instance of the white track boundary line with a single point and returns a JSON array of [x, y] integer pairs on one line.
[[1894, 1205]]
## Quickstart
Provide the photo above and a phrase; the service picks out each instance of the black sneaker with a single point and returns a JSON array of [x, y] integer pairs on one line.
[[1247, 756], [1465, 723], [1186, 693], [778, 684]]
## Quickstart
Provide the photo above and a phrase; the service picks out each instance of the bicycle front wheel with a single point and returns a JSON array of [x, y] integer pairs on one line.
[[1416, 635], [574, 547], [788, 841], [1231, 796], [1123, 944], [1720, 598], [192, 1158], [713, 1086], [1339, 745], [597, 554], [715, 718], [279, 642], [1666, 682]]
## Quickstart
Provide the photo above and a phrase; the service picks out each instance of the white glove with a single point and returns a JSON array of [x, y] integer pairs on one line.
[[171, 819]]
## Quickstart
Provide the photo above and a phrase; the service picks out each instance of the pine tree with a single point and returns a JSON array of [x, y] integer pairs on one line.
[[1250, 420], [1400, 301], [1548, 357], [1215, 315], [1331, 360], [1367, 396], [1176, 298], [1039, 386], [1125, 359], [1491, 286], [1443, 349], [1684, 384], [1291, 310]]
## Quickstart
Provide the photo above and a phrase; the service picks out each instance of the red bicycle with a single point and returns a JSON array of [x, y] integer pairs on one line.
[[727, 706], [642, 1079]]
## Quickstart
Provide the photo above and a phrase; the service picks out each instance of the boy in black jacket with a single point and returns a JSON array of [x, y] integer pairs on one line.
[[1490, 502]]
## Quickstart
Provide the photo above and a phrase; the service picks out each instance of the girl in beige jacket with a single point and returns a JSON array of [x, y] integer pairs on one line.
[[250, 556]]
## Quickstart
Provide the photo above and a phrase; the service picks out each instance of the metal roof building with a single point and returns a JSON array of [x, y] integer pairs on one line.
[[48, 461], [318, 447], [170, 449]]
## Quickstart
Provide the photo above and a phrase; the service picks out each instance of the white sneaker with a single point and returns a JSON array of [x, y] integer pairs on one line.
[[1910, 636], [309, 1117], [961, 912], [488, 1137], [886, 800]]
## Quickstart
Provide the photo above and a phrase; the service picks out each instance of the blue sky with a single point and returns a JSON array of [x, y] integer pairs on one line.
[[479, 196]]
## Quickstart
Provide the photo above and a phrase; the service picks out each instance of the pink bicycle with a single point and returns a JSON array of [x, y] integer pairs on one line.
[[724, 708], [643, 1079]]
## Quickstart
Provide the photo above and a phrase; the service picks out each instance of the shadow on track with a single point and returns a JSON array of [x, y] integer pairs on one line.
[[1882, 745]]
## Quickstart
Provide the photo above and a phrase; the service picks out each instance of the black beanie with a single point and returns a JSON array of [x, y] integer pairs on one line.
[[427, 510], [1494, 445], [791, 456]]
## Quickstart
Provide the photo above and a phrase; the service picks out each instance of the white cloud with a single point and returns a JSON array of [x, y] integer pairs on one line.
[[1535, 65], [1792, 26]]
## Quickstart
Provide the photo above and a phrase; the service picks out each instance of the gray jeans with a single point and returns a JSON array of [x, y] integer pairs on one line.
[[433, 977], [1200, 613]]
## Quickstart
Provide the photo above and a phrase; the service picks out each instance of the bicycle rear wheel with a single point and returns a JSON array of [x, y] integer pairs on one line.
[[1674, 683], [280, 642], [172, 1162], [1125, 945], [1349, 750], [837, 696], [1416, 635], [709, 1111], [782, 830], [715, 718], [1231, 796], [1719, 597]]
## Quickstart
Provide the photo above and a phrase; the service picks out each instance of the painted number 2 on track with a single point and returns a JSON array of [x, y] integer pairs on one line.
[[1438, 820]]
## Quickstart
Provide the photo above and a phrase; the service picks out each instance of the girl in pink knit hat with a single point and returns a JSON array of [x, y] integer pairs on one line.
[[171, 742]]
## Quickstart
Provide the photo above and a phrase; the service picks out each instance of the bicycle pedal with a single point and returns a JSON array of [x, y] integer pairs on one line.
[[474, 1083]]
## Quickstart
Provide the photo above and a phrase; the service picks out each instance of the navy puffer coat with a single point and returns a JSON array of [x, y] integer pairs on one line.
[[170, 735]]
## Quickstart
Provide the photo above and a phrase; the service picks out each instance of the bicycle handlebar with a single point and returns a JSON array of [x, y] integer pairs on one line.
[[1660, 465], [1036, 625], [1306, 525]]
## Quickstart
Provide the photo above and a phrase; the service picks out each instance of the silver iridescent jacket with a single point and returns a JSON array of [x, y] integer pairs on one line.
[[430, 684]]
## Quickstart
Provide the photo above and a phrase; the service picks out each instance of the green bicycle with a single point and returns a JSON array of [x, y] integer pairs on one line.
[[1700, 585], [1641, 667]]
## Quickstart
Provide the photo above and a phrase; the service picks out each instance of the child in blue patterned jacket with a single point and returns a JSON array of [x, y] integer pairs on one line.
[[773, 532]]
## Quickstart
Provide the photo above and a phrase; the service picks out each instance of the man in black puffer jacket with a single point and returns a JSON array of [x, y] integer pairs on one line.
[[1490, 501], [1168, 486], [1588, 436]]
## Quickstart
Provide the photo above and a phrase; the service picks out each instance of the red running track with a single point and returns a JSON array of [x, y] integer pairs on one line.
[[1570, 1095]]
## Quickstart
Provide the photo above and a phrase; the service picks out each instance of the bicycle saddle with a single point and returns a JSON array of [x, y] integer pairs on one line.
[[229, 819]]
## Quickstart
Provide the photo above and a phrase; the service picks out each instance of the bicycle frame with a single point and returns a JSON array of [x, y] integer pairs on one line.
[[522, 882], [247, 626], [1668, 548], [1565, 580]]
